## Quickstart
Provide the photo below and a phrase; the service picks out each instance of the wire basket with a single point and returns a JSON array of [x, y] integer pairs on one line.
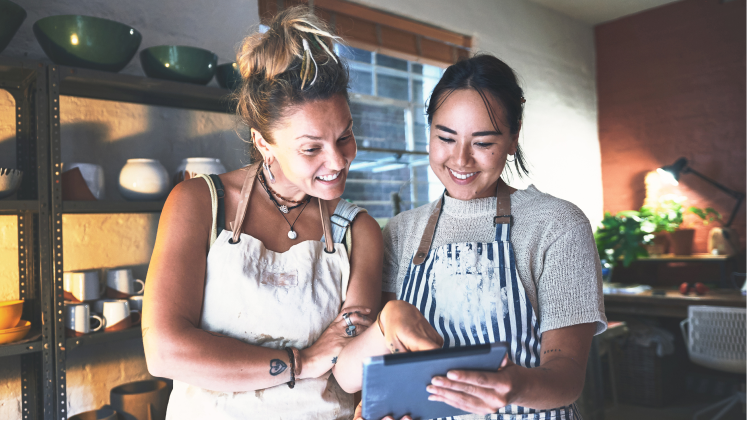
[[715, 337]]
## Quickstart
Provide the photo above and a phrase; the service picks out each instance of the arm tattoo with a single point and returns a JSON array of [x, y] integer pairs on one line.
[[277, 366], [550, 350], [334, 360]]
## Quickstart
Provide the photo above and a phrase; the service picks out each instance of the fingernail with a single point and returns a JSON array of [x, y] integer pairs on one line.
[[406, 417], [430, 389], [452, 375], [432, 398], [437, 381]]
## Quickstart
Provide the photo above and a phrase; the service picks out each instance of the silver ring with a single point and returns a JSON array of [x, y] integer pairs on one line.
[[346, 317]]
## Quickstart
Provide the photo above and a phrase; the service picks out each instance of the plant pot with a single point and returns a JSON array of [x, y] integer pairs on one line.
[[659, 245], [106, 412], [681, 242], [144, 400]]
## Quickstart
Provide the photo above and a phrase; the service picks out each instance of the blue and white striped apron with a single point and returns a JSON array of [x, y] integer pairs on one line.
[[471, 294]]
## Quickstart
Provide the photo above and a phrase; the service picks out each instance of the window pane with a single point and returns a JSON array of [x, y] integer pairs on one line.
[[352, 53], [361, 82], [416, 68], [391, 62], [392, 87], [377, 126]]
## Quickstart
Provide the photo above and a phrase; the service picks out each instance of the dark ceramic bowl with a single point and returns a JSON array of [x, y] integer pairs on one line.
[[228, 76], [179, 63], [86, 41], [11, 18]]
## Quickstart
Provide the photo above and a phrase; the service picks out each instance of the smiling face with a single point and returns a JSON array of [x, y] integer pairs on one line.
[[312, 150], [467, 152]]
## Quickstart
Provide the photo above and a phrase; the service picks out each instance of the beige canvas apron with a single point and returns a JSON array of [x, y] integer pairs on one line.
[[273, 300]]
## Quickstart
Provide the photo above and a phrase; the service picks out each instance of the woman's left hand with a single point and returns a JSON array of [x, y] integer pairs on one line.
[[477, 392]]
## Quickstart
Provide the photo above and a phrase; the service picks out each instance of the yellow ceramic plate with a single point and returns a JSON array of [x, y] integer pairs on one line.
[[10, 313], [15, 333]]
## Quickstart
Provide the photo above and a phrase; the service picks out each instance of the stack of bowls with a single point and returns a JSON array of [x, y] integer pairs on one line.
[[88, 42], [179, 63], [11, 18], [12, 328]]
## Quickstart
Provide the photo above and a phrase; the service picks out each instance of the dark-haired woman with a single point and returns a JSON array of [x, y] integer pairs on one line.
[[245, 308], [487, 262]]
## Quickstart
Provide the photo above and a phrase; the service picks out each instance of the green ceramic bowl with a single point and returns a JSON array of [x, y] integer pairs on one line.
[[86, 41], [228, 76], [179, 63], [11, 18]]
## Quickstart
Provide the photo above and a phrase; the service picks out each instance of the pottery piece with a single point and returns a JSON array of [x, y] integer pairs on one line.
[[87, 41], [74, 186], [192, 167], [228, 76], [93, 175], [723, 241], [10, 313], [179, 63], [11, 18], [10, 180], [681, 242], [144, 400], [106, 412], [15, 333], [143, 179]]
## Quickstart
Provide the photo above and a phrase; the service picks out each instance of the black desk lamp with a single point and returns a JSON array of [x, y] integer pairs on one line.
[[672, 174]]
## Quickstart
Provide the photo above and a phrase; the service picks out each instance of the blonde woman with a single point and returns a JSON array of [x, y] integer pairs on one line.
[[245, 308]]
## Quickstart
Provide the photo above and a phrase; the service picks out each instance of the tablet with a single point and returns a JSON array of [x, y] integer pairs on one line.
[[395, 384]]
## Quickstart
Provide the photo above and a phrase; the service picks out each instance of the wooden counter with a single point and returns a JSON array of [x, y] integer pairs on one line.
[[672, 304]]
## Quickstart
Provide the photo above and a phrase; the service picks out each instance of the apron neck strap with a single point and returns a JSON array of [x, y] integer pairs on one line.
[[502, 216], [246, 192]]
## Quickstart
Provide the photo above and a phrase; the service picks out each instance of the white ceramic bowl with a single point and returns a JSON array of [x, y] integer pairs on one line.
[[191, 167], [10, 180], [143, 179], [93, 175]]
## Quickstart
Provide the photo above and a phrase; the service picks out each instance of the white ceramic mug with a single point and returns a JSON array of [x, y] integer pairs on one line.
[[92, 174], [121, 284], [78, 319], [136, 303], [81, 286], [117, 314]]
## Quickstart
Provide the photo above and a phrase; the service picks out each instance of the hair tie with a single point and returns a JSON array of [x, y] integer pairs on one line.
[[305, 66]]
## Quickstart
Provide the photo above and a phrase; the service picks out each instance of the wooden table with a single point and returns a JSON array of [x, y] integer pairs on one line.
[[672, 304]]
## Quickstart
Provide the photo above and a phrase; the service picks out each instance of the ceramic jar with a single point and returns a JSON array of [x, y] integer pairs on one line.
[[191, 167], [143, 179], [93, 175]]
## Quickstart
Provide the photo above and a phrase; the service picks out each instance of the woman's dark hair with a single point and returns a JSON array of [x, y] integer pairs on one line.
[[276, 76], [487, 75]]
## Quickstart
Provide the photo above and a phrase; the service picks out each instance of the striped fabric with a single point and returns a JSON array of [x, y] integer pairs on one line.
[[471, 294]]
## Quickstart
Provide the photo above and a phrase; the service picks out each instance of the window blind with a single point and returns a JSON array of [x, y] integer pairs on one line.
[[382, 32]]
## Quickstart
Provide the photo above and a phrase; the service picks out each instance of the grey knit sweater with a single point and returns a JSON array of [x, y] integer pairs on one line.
[[553, 244]]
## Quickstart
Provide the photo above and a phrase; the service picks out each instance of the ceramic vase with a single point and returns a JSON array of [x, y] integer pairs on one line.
[[191, 167], [93, 175], [143, 179]]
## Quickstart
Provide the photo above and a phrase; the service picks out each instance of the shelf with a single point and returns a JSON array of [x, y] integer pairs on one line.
[[25, 346], [142, 90], [701, 257], [103, 337], [110, 206], [15, 206]]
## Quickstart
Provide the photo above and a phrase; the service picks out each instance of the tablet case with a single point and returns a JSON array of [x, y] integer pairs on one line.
[[395, 384]]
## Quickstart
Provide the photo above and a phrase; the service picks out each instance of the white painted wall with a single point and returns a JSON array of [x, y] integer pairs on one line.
[[554, 58], [553, 55]]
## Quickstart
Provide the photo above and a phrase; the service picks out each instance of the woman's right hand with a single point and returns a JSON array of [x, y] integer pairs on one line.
[[320, 357], [406, 330]]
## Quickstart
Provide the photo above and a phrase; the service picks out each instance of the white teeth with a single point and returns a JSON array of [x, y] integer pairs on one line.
[[329, 177], [462, 176]]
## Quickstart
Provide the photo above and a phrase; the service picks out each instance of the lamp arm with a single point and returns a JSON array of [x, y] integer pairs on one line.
[[733, 193]]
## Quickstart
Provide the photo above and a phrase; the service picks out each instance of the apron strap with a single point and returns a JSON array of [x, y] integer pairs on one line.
[[329, 245], [246, 191], [502, 216]]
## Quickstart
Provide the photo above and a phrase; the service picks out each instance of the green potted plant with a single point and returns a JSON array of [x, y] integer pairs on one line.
[[621, 238], [666, 219]]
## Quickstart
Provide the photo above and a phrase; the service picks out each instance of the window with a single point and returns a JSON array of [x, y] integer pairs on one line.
[[388, 94]]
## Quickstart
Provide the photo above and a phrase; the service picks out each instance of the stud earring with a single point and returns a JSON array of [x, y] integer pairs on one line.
[[269, 173]]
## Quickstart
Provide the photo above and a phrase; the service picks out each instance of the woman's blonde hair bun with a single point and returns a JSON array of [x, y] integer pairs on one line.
[[278, 67]]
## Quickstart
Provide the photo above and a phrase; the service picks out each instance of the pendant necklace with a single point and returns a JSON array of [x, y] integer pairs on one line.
[[270, 191], [291, 234]]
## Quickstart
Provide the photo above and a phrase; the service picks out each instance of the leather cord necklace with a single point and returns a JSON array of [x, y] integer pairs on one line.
[[270, 191], [291, 234]]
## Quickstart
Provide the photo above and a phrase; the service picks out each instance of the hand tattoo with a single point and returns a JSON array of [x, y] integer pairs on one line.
[[334, 360], [277, 366]]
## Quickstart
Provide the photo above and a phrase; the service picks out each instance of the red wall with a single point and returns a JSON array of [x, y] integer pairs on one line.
[[671, 83]]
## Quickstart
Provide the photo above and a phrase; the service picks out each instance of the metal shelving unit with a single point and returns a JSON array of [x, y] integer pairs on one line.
[[26, 83]]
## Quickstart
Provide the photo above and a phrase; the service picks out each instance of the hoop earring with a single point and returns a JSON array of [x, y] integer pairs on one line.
[[269, 173], [511, 160]]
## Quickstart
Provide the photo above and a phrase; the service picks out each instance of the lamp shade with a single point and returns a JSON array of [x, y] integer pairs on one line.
[[673, 172]]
